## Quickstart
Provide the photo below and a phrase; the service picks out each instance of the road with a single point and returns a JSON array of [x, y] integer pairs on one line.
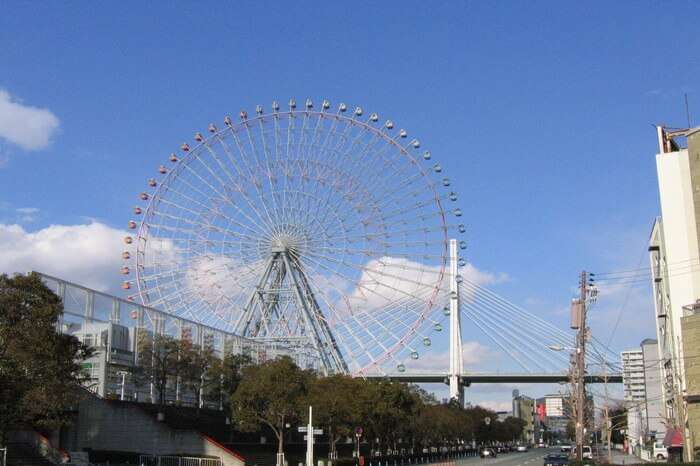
[[533, 457]]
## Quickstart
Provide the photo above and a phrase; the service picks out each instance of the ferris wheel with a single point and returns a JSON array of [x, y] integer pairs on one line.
[[323, 230]]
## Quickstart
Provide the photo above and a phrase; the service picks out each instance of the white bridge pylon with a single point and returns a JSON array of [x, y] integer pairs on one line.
[[456, 362]]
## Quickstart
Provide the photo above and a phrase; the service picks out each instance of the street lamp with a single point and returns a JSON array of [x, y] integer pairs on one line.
[[563, 348], [358, 436]]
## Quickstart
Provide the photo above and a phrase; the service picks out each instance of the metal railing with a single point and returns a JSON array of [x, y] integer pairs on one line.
[[145, 460]]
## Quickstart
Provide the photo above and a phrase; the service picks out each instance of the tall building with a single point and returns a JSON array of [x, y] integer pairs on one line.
[[642, 393], [674, 250], [553, 415], [633, 376], [524, 408]]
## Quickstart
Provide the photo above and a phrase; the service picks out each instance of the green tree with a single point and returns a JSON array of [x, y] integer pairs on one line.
[[270, 394], [387, 408], [571, 430], [196, 363], [618, 420], [336, 406], [513, 428], [40, 369], [228, 372], [158, 361]]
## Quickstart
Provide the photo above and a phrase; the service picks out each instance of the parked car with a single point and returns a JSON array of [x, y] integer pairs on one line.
[[565, 448], [488, 453], [521, 448], [556, 459], [660, 452], [587, 452]]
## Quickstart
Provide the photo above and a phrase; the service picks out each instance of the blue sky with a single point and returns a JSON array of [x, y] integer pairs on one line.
[[541, 113]]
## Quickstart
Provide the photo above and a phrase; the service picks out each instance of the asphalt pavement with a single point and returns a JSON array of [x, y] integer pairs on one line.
[[533, 457]]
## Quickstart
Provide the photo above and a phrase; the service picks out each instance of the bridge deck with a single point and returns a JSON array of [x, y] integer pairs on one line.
[[469, 379]]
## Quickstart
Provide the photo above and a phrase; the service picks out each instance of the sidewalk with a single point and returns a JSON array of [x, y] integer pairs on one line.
[[619, 457]]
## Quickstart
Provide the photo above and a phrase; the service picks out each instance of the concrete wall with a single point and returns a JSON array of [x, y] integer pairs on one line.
[[654, 401], [678, 212], [113, 426], [691, 342]]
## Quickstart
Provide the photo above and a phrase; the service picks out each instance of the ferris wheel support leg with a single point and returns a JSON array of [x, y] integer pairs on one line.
[[245, 319], [308, 317], [456, 362]]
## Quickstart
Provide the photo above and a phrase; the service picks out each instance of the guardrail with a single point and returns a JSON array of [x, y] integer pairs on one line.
[[145, 460]]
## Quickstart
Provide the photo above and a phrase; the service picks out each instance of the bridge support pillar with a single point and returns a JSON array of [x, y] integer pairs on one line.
[[456, 362]]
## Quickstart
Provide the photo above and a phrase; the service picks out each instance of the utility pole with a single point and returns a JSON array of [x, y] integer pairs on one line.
[[579, 322]]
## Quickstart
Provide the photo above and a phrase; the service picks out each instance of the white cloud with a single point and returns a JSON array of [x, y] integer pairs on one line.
[[480, 277], [387, 280], [27, 214], [86, 254], [29, 127]]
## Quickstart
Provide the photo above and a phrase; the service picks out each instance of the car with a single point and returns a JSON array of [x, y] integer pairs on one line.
[[660, 452], [488, 453], [521, 448], [556, 459], [587, 452], [565, 448]]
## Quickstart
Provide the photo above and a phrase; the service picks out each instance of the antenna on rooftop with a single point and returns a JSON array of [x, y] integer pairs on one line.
[[687, 110]]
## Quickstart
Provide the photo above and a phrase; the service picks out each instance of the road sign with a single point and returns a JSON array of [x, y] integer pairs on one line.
[[302, 429], [318, 431]]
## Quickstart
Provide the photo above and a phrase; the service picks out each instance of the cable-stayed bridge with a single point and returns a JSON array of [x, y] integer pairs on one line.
[[535, 346]]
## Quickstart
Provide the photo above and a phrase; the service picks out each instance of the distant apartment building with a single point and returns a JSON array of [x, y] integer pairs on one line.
[[642, 393], [553, 415], [674, 250], [524, 408], [633, 376]]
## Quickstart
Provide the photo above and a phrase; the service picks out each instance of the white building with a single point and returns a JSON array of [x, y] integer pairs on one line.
[[642, 393], [633, 376], [554, 405], [674, 249], [634, 394]]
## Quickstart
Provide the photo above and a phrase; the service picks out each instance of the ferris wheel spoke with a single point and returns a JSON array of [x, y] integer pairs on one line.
[[317, 185], [265, 165], [370, 253], [253, 178], [225, 200], [226, 197], [373, 272], [369, 271], [239, 188], [279, 204], [320, 292], [205, 208], [399, 341], [408, 231]]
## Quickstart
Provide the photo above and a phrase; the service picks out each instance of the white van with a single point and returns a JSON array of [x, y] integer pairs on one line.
[[660, 452], [587, 452]]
